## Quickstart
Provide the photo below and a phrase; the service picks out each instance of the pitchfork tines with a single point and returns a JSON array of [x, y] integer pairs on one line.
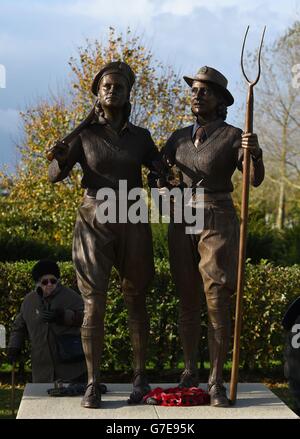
[[252, 83]]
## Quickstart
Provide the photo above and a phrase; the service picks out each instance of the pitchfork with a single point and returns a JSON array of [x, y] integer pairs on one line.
[[243, 226]]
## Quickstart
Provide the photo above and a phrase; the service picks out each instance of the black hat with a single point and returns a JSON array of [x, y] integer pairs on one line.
[[114, 67], [208, 74], [45, 266]]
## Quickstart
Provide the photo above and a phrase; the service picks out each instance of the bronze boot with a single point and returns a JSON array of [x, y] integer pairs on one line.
[[140, 387], [139, 338], [218, 341], [189, 336], [92, 396], [92, 346], [218, 397]]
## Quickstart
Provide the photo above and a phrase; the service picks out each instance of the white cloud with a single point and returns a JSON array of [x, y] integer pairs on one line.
[[119, 11], [9, 129], [186, 7], [130, 10], [9, 120]]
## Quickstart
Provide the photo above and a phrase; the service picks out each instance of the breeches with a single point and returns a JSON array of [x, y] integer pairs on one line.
[[97, 248], [206, 261]]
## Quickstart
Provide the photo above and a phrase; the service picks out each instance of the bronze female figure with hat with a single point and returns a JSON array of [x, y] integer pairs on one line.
[[206, 154], [109, 148]]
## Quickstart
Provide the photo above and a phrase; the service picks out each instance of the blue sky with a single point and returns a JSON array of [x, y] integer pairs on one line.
[[37, 38]]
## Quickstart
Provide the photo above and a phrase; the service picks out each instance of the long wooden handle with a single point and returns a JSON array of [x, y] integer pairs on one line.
[[242, 251]]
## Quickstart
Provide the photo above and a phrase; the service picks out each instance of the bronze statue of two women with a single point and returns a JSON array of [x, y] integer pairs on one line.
[[109, 149]]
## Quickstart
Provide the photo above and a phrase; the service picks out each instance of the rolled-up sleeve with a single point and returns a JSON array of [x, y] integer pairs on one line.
[[59, 171]]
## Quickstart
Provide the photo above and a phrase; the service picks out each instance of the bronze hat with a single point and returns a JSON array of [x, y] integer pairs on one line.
[[114, 67], [208, 74]]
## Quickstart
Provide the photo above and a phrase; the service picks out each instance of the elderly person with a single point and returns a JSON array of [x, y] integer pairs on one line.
[[110, 149], [206, 155], [50, 314]]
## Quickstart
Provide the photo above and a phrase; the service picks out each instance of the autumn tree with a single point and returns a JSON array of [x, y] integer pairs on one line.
[[37, 208]]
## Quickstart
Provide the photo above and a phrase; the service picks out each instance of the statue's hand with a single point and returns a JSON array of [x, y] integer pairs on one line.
[[60, 152], [250, 142], [158, 175]]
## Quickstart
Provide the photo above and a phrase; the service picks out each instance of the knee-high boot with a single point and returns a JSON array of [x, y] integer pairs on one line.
[[218, 343], [92, 336], [138, 323], [190, 337], [139, 332]]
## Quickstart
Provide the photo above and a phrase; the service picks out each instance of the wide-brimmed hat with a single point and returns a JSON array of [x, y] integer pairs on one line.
[[208, 74], [45, 266], [114, 67]]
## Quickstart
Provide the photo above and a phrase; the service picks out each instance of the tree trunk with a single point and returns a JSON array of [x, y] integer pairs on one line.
[[281, 207], [281, 202]]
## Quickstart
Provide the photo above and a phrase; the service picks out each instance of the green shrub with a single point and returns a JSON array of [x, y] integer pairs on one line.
[[282, 247], [11, 247], [268, 291], [160, 240]]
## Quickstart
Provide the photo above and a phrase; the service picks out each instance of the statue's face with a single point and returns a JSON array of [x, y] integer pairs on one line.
[[204, 101], [113, 91]]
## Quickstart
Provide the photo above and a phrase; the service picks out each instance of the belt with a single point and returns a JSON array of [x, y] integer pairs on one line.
[[91, 193], [217, 196], [213, 196]]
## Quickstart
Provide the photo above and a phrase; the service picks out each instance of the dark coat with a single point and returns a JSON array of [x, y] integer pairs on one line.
[[46, 365]]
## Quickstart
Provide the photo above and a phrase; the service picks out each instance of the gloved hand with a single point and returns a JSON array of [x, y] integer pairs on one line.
[[13, 354], [53, 315]]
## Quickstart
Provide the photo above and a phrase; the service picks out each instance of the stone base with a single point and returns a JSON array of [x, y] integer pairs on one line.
[[254, 401]]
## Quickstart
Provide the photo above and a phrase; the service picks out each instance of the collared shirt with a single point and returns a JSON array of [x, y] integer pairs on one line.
[[209, 128], [106, 157], [195, 127]]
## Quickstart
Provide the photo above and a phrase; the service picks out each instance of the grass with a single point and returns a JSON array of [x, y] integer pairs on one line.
[[5, 400]]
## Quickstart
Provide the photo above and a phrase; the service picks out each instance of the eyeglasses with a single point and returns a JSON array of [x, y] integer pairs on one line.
[[47, 281]]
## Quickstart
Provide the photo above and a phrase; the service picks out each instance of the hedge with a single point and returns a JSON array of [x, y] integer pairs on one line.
[[268, 291], [12, 246], [282, 247]]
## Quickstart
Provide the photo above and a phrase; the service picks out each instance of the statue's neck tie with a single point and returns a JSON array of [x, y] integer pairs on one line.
[[200, 137]]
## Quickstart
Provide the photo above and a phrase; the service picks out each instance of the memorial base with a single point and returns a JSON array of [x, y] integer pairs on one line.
[[254, 401]]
